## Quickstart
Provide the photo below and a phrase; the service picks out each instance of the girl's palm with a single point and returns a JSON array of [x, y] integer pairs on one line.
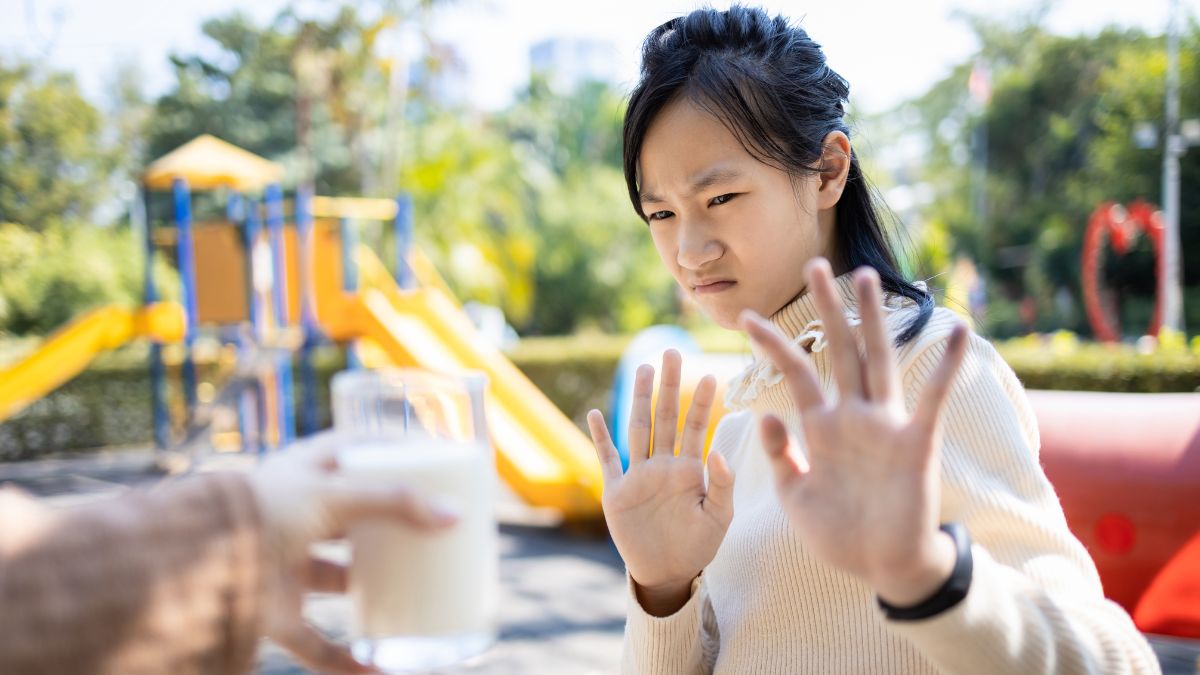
[[866, 499], [666, 522]]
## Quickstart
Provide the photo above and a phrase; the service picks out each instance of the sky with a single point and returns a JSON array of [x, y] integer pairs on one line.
[[889, 50]]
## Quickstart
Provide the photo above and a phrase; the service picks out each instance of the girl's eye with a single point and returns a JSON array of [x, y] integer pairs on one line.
[[721, 199], [659, 215]]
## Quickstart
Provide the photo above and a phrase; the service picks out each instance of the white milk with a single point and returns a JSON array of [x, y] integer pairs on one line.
[[409, 583]]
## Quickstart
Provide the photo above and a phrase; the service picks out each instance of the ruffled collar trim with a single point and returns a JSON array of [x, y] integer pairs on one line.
[[800, 320]]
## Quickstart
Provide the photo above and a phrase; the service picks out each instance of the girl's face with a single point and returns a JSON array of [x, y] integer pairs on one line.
[[734, 232]]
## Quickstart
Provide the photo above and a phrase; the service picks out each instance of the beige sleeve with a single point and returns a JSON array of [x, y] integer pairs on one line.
[[684, 643], [1035, 604], [168, 580]]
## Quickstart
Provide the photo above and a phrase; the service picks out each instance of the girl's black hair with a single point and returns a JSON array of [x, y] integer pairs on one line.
[[768, 83]]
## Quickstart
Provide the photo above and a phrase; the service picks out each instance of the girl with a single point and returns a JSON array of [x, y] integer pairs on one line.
[[864, 472]]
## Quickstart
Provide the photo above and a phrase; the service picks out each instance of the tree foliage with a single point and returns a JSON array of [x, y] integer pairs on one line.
[[51, 152], [1059, 131], [526, 209]]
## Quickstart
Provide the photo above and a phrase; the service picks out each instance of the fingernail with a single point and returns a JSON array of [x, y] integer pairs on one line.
[[442, 511]]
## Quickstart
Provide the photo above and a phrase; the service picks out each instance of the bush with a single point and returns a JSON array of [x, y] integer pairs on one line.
[[576, 373], [106, 405], [109, 403], [48, 278], [1060, 361]]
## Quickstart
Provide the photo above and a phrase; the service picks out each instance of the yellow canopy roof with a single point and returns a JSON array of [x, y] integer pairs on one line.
[[207, 162]]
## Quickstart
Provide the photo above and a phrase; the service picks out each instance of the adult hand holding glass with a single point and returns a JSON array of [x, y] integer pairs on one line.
[[303, 501], [666, 522], [866, 499]]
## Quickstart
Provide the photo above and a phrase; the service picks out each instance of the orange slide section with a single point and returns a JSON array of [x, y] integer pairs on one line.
[[68, 351], [540, 453]]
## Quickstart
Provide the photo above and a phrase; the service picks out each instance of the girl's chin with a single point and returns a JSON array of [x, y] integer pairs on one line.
[[725, 317]]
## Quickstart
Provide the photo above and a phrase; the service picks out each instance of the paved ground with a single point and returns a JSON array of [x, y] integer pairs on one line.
[[562, 607]]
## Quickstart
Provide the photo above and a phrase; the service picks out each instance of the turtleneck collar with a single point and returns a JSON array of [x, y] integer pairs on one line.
[[800, 322], [801, 318]]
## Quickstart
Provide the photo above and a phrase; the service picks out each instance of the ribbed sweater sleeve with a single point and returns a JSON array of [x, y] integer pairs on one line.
[[161, 581], [1035, 603], [683, 643]]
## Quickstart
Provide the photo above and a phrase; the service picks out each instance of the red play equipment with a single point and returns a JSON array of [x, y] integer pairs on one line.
[[1127, 470]]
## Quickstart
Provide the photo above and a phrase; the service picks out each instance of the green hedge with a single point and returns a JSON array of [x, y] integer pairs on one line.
[[1060, 361], [576, 372], [109, 404]]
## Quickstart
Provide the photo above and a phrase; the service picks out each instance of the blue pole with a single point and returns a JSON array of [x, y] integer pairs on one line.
[[253, 230], [308, 319], [279, 256], [233, 208], [349, 280], [404, 238], [187, 271], [158, 376], [235, 213]]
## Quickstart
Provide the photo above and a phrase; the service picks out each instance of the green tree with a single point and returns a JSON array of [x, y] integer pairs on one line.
[[311, 93], [596, 265], [52, 156], [1060, 140], [51, 276], [470, 208]]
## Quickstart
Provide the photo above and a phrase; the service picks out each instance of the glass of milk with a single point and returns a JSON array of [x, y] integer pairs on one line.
[[421, 600]]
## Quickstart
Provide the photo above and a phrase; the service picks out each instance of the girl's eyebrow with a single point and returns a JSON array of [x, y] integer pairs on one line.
[[702, 181], [714, 176]]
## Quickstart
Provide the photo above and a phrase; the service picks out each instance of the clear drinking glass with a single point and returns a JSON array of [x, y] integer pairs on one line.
[[421, 600]]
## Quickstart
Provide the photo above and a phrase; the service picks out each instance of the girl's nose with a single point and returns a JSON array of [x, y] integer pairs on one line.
[[696, 247]]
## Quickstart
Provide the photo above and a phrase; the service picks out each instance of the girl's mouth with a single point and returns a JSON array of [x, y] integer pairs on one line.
[[715, 287]]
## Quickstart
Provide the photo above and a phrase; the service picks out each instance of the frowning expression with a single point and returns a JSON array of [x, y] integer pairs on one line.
[[734, 232]]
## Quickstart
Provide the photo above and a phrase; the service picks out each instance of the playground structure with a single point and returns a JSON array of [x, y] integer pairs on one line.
[[276, 290]]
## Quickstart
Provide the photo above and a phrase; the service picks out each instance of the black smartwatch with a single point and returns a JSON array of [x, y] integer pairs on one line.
[[951, 593]]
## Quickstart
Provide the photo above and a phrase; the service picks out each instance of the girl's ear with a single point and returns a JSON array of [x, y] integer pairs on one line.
[[835, 167]]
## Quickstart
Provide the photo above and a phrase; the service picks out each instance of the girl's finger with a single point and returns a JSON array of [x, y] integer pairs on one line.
[[695, 428], [639, 415], [720, 484], [797, 370], [666, 418], [881, 362], [847, 369], [606, 451], [933, 397]]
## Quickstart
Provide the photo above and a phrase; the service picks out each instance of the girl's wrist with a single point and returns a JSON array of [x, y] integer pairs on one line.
[[663, 599], [909, 586]]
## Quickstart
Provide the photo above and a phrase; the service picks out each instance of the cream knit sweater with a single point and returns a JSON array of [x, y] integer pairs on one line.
[[765, 606]]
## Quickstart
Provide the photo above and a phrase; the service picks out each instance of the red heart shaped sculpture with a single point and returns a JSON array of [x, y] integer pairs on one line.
[[1120, 226]]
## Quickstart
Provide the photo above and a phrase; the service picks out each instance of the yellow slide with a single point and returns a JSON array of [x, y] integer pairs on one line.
[[540, 453], [69, 350]]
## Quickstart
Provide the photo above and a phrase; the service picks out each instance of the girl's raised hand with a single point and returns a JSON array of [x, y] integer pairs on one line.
[[867, 499], [666, 523]]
